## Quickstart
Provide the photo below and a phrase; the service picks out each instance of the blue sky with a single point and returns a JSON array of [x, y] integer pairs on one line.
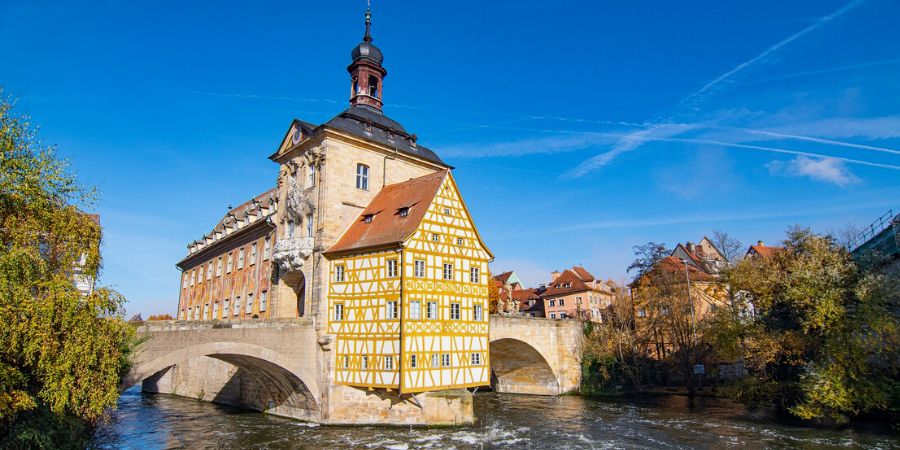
[[577, 129]]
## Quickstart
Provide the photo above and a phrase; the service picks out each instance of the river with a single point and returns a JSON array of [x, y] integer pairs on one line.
[[149, 421]]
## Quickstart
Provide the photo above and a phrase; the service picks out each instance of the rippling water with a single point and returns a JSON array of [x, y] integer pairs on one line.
[[504, 421]]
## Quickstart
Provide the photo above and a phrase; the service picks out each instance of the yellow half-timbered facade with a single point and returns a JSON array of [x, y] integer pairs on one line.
[[408, 292]]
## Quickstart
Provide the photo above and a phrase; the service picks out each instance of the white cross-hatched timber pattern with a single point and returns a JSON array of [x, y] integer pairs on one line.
[[408, 296]]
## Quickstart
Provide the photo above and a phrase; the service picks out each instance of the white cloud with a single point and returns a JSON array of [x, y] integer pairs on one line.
[[828, 170], [631, 142], [553, 144]]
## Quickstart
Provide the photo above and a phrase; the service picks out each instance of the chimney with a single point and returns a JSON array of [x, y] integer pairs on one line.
[[690, 246], [759, 243], [554, 275]]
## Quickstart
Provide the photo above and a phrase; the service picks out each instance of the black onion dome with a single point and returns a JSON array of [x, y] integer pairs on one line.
[[367, 50]]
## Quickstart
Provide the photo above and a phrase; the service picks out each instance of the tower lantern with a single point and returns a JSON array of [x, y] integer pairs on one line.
[[366, 72]]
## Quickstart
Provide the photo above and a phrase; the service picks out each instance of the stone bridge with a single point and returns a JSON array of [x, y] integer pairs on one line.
[[282, 367]]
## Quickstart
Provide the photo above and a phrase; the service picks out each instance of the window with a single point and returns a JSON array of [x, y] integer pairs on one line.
[[193, 276], [459, 241], [435, 237], [362, 177], [209, 272], [552, 302], [391, 268], [415, 310], [474, 275], [230, 263], [368, 218], [290, 229], [373, 86], [312, 176], [476, 359], [215, 311], [364, 364], [225, 308], [419, 268], [249, 303], [552, 316], [446, 211], [413, 361], [454, 311], [448, 271], [664, 309], [432, 310], [339, 273], [445, 360], [263, 299], [479, 313], [241, 258], [206, 311], [309, 225], [345, 362], [184, 284], [390, 310], [196, 312], [562, 302], [435, 360], [388, 362], [219, 267], [183, 314], [237, 305], [578, 301], [253, 254], [267, 245], [404, 211], [338, 312]]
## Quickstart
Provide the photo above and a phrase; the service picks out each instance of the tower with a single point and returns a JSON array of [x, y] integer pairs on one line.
[[366, 72]]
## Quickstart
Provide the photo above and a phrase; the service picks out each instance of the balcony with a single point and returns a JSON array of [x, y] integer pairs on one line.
[[289, 253]]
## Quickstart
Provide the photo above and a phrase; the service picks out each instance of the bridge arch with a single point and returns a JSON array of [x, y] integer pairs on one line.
[[519, 368], [263, 379]]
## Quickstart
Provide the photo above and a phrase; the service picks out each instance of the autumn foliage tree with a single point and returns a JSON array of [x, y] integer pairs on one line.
[[62, 354]]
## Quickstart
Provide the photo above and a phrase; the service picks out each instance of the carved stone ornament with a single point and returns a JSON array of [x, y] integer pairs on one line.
[[289, 253], [297, 204]]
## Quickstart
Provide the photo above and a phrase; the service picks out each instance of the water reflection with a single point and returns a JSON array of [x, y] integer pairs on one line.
[[505, 421]]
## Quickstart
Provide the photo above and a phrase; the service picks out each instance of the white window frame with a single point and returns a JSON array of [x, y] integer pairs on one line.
[[267, 246], [225, 308], [415, 310], [240, 258], [479, 313], [435, 360], [339, 273], [237, 305], [391, 310], [253, 254], [362, 177], [392, 268], [413, 361], [263, 299], [338, 312], [476, 359], [229, 264], [435, 237], [364, 362], [448, 271], [474, 275], [455, 311], [249, 303], [215, 310], [432, 310], [219, 267], [445, 360], [419, 268], [311, 175], [388, 362]]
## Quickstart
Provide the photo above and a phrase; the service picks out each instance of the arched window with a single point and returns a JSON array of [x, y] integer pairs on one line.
[[355, 88], [373, 86]]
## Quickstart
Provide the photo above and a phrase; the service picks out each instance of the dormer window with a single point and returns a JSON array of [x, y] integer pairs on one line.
[[368, 218], [404, 211]]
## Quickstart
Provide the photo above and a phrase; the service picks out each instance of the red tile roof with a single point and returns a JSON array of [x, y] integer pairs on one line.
[[672, 264], [503, 277], [388, 227], [764, 251], [583, 274], [558, 286]]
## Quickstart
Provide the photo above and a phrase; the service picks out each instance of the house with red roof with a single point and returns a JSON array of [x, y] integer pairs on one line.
[[576, 293]]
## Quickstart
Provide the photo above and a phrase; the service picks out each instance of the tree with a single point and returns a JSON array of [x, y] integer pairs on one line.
[[646, 257], [161, 317], [493, 297], [828, 330], [62, 354], [731, 248]]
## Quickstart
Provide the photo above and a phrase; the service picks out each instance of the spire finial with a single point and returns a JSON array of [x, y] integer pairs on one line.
[[368, 36]]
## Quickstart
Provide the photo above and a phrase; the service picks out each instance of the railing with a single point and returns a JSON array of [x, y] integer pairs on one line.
[[879, 225]]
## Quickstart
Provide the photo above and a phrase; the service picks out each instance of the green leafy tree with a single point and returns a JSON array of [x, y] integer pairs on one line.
[[824, 342], [62, 355]]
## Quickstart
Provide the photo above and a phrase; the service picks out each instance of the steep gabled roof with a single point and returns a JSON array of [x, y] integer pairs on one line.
[[583, 274], [764, 251], [503, 277], [388, 227], [567, 282]]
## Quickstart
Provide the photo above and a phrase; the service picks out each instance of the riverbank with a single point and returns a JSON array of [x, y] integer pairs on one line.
[[503, 421]]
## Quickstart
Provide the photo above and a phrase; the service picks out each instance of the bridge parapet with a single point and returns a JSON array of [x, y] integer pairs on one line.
[[536, 356]]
